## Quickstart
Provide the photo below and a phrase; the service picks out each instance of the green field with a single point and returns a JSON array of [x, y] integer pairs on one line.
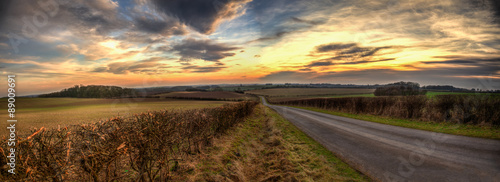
[[432, 94], [428, 94], [217, 95], [52, 112], [285, 94]]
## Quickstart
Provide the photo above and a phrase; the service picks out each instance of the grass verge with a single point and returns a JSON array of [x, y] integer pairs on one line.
[[449, 128], [266, 147]]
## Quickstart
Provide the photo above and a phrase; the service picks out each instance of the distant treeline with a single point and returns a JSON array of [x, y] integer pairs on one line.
[[93, 91]]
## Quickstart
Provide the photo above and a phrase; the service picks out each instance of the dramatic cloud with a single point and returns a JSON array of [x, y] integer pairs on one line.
[[334, 47], [349, 50], [190, 49], [203, 69], [345, 54], [483, 77], [151, 65], [298, 20], [165, 27], [290, 29], [4, 7], [331, 63], [52, 44], [203, 15], [467, 61], [269, 38], [320, 63]]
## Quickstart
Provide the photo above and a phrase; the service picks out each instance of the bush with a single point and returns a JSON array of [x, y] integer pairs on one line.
[[143, 148]]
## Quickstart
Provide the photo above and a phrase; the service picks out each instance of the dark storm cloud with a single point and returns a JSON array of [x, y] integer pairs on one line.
[[202, 15], [80, 17], [207, 50], [496, 8], [4, 7], [165, 27], [85, 14]]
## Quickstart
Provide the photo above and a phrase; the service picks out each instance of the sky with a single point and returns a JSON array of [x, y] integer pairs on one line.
[[54, 44]]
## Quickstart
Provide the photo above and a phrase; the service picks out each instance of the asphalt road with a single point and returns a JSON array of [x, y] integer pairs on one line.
[[392, 153]]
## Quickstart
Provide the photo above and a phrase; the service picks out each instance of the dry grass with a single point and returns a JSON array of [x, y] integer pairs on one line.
[[146, 147], [192, 145], [266, 148]]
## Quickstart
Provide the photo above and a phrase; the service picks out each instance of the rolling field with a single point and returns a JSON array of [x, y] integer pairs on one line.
[[51, 112], [286, 94], [207, 95], [290, 92]]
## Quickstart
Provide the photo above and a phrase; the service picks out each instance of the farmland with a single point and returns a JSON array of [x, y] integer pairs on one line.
[[289, 94], [197, 140], [294, 92], [51, 112], [286, 94], [198, 95]]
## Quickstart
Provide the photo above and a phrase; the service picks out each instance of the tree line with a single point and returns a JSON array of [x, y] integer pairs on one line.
[[400, 89], [93, 91]]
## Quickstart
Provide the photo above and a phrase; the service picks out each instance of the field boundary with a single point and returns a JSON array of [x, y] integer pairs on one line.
[[448, 128]]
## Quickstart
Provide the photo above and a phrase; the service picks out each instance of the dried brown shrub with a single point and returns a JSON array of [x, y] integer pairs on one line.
[[143, 148]]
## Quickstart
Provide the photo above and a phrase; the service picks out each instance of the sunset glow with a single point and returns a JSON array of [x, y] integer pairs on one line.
[[146, 43]]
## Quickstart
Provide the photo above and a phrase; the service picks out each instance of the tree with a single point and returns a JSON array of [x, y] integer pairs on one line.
[[93, 91], [400, 89]]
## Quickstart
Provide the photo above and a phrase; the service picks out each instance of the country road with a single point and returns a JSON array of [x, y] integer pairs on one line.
[[391, 153]]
